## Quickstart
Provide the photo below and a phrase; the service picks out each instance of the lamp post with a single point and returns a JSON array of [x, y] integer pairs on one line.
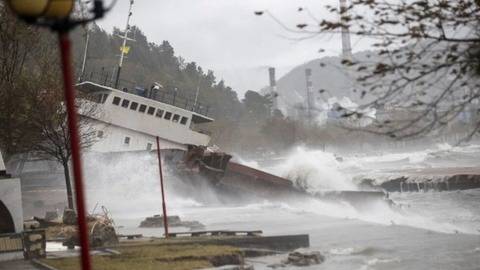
[[164, 206], [55, 14]]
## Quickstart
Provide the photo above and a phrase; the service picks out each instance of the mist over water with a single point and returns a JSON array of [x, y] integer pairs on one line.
[[129, 187]]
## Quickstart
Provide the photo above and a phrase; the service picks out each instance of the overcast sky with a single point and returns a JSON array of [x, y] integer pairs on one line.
[[226, 36]]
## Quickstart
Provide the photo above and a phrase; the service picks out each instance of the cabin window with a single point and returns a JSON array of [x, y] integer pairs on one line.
[[126, 141], [100, 134], [149, 146], [184, 120], [134, 106], [168, 115], [142, 108], [151, 110], [175, 118], [116, 101], [159, 113], [125, 103]]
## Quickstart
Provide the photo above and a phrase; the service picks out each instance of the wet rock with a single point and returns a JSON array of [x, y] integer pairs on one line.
[[173, 221], [227, 259], [304, 259], [69, 217], [157, 221], [277, 265]]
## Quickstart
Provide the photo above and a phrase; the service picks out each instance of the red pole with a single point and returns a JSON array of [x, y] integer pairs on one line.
[[164, 207], [65, 49]]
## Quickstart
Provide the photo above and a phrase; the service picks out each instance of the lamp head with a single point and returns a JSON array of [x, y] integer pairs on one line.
[[59, 9], [42, 9], [28, 8]]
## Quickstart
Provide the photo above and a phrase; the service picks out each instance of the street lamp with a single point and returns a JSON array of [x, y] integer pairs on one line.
[[56, 14], [34, 9]]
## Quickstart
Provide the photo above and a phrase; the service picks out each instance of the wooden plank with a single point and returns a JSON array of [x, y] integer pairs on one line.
[[216, 233]]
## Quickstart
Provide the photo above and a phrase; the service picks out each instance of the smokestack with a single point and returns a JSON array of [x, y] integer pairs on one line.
[[273, 88], [309, 98], [346, 43]]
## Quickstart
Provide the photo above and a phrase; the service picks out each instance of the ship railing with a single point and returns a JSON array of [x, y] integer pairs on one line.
[[161, 95]]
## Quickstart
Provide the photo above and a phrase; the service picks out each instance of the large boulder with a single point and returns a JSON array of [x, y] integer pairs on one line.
[[173, 221], [304, 258]]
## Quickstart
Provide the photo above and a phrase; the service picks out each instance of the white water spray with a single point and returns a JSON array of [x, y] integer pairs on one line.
[[314, 170]]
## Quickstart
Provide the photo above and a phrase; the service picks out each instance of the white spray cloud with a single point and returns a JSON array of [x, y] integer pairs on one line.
[[314, 170], [329, 111]]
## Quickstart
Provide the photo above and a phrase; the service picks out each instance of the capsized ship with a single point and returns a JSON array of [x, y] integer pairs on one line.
[[130, 120]]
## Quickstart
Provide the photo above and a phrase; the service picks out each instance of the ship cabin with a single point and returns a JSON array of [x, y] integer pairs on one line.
[[126, 121]]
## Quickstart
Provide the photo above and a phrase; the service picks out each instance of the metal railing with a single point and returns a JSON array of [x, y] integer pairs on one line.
[[161, 95]]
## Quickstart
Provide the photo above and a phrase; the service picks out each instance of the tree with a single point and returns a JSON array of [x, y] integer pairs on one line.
[[16, 43], [32, 113], [257, 105], [48, 121], [424, 72]]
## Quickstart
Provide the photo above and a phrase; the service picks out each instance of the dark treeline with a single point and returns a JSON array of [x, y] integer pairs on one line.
[[30, 70], [148, 62], [29, 73]]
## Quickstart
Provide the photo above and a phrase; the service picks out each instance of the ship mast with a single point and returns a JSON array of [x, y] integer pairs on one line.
[[346, 43], [124, 43]]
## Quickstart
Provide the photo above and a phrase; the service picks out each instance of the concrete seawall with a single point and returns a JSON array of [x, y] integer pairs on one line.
[[437, 179]]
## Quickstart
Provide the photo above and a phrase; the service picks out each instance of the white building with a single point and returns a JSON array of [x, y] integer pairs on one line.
[[11, 216], [129, 122]]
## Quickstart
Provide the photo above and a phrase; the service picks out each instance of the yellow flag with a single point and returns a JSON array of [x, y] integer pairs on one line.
[[125, 49]]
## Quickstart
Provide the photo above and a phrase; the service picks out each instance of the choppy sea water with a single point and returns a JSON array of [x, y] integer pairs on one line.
[[349, 242], [432, 230]]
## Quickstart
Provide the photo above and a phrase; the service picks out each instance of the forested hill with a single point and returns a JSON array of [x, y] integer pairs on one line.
[[30, 76], [239, 123], [148, 62]]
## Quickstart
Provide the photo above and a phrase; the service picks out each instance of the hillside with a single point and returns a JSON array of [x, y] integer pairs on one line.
[[329, 79], [148, 62], [239, 123]]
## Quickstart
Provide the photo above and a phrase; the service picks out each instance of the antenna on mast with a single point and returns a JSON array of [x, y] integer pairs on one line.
[[346, 43], [124, 50]]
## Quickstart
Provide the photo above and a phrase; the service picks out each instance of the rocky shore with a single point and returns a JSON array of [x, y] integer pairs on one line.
[[421, 180]]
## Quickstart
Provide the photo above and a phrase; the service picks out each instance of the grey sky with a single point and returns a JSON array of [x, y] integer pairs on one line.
[[225, 35]]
